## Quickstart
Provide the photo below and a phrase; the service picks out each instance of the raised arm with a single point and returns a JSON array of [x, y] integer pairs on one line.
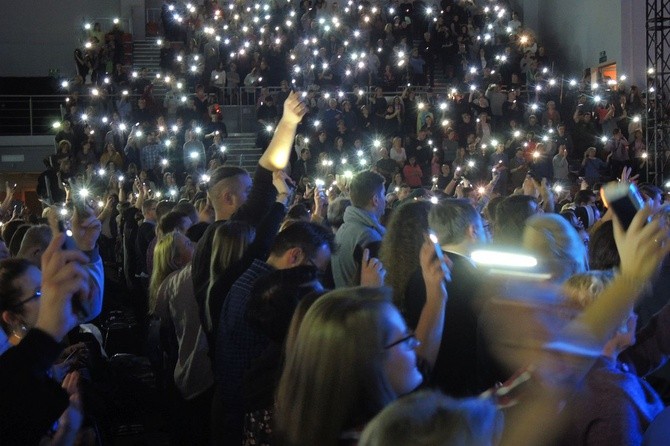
[[278, 152], [431, 322]]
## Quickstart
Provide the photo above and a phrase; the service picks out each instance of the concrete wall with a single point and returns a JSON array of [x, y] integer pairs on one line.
[[24, 153], [36, 35], [576, 31]]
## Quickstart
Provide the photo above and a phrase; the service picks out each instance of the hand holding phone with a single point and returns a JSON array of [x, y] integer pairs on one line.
[[624, 199], [440, 255]]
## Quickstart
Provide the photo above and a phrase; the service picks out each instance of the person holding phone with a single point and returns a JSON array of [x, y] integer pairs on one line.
[[39, 309]]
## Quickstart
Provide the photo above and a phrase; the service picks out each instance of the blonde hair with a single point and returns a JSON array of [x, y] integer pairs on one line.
[[558, 245], [166, 253], [430, 418], [334, 376], [229, 244], [581, 290]]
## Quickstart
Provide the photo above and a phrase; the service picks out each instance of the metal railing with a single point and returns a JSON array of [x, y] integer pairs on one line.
[[36, 114], [29, 115]]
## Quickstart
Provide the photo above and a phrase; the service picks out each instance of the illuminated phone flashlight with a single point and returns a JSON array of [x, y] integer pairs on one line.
[[445, 123], [434, 179], [603, 139], [434, 200], [84, 117], [344, 161], [319, 182], [443, 106], [63, 211], [494, 142], [105, 120], [558, 188], [483, 146], [507, 259], [101, 204], [376, 143], [101, 172], [83, 193], [545, 138], [517, 133], [173, 192], [420, 105], [317, 123], [481, 190], [164, 162], [138, 133], [471, 163], [645, 155], [194, 155], [536, 154], [596, 98], [157, 194], [636, 118], [204, 178], [56, 125], [65, 84]]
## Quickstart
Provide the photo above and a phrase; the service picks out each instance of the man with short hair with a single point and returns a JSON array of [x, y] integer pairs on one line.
[[361, 224], [34, 243], [151, 154], [194, 152], [234, 196], [459, 229], [237, 342]]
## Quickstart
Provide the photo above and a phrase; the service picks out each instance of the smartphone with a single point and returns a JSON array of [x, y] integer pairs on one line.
[[624, 199], [440, 255], [69, 244]]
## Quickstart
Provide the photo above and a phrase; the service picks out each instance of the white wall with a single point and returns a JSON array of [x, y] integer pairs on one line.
[[36, 35]]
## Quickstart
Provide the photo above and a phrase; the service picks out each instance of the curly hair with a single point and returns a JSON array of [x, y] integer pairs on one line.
[[401, 246]]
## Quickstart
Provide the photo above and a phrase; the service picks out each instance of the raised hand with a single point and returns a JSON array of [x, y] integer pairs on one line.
[[294, 109], [372, 270], [62, 277]]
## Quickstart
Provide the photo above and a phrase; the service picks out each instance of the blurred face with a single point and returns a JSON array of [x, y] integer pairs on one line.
[[241, 191], [184, 249], [26, 314], [400, 362]]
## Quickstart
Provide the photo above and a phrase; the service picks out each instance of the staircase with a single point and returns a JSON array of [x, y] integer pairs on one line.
[[146, 54], [242, 151]]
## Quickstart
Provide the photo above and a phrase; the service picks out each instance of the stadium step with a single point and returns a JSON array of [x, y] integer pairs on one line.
[[242, 151]]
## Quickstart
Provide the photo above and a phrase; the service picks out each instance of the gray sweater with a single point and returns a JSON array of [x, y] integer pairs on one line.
[[360, 228]]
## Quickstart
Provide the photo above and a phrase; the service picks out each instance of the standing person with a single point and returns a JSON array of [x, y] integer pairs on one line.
[[194, 152], [235, 197], [617, 148], [560, 163], [237, 342], [361, 224], [459, 229]]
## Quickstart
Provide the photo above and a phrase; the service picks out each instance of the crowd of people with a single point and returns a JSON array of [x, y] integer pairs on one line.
[[409, 263]]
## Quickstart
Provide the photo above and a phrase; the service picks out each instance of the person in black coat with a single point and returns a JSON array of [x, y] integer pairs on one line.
[[459, 228]]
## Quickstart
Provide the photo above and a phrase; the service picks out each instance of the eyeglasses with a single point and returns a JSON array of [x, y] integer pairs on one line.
[[410, 341], [36, 295]]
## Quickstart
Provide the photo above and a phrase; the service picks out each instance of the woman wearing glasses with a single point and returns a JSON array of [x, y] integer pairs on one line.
[[20, 283], [353, 355]]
